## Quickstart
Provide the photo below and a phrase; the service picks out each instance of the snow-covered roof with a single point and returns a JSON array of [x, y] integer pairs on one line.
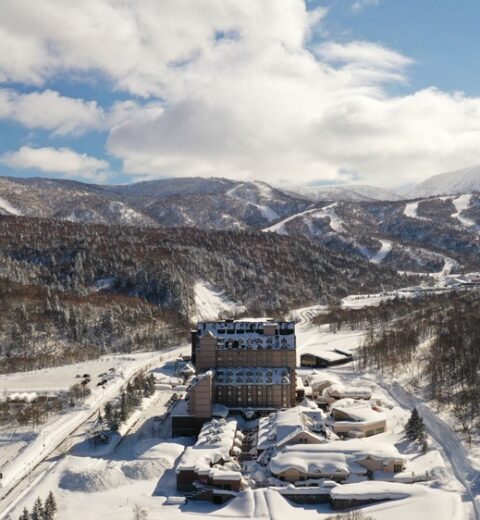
[[305, 458], [329, 355], [252, 376], [217, 473], [279, 427], [214, 443], [377, 490], [321, 463], [249, 334], [322, 379], [358, 411], [188, 369], [359, 448], [200, 377], [19, 396], [340, 390]]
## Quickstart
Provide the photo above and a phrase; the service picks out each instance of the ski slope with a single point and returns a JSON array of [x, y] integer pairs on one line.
[[279, 227], [381, 254], [461, 204], [210, 303]]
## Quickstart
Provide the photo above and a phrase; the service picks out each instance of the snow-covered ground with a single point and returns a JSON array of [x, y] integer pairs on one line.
[[380, 255], [462, 203], [210, 303], [62, 378], [411, 210], [141, 470], [336, 224], [6, 206], [265, 192], [31, 447], [279, 227]]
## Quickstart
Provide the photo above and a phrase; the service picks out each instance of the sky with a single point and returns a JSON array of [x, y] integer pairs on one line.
[[382, 92]]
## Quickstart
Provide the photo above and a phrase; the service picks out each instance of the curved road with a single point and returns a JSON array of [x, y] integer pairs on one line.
[[450, 444]]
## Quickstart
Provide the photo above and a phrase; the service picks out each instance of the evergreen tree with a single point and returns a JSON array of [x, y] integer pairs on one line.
[[37, 511], [109, 414], [25, 515], [50, 507], [411, 426], [124, 408], [415, 427]]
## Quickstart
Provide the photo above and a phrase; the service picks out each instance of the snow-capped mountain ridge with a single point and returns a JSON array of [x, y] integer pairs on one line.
[[456, 182]]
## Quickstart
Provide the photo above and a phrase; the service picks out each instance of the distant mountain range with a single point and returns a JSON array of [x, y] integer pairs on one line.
[[428, 228], [100, 268], [450, 183]]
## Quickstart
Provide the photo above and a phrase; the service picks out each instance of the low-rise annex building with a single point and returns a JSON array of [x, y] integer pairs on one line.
[[327, 358], [352, 418], [302, 424], [336, 460], [209, 465]]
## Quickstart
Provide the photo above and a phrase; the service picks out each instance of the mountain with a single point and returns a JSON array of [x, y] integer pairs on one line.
[[425, 236], [344, 193], [451, 183], [206, 203]]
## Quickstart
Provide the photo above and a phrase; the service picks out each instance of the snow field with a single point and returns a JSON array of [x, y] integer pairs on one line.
[[210, 303]]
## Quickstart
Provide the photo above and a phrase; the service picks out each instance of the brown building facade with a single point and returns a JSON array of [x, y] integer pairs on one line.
[[252, 364]]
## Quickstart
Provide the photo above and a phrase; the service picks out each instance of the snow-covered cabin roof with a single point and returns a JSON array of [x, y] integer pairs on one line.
[[218, 473], [279, 427], [252, 376], [359, 448], [321, 463], [358, 411], [213, 445], [308, 456], [339, 390], [323, 379]]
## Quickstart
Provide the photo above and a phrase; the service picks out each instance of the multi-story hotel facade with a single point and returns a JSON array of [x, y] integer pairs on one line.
[[242, 364]]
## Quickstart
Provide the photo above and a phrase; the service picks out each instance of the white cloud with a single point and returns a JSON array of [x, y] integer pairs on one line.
[[363, 54], [235, 89], [63, 161], [50, 111], [360, 4]]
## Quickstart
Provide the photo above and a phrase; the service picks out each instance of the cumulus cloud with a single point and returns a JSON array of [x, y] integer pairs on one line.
[[50, 111], [239, 89], [63, 161]]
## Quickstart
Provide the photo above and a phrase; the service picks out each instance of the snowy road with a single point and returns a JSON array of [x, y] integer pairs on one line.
[[23, 472], [452, 447], [449, 443]]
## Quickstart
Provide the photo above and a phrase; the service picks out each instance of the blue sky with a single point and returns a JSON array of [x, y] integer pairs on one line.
[[385, 90], [440, 35]]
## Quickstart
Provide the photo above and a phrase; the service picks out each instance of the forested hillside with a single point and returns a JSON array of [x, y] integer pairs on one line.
[[431, 343], [73, 290]]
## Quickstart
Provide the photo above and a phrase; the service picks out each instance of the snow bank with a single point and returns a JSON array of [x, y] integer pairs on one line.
[[92, 480], [154, 450], [374, 490], [145, 469]]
